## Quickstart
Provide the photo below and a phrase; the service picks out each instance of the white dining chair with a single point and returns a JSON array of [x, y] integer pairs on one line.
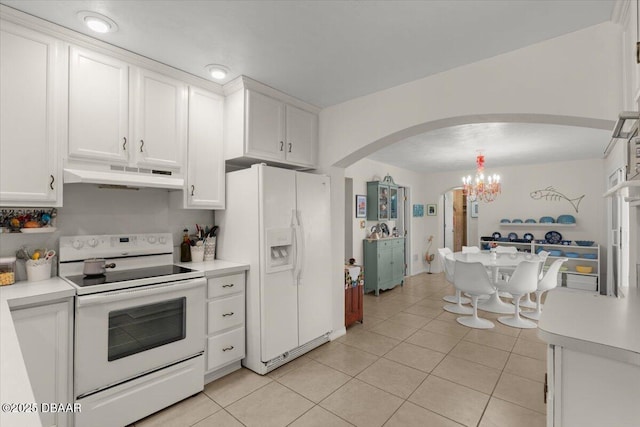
[[526, 300], [470, 250], [457, 308], [523, 281], [472, 278], [448, 273], [548, 282]]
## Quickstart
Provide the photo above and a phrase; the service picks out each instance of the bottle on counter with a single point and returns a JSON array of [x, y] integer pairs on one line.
[[185, 247]]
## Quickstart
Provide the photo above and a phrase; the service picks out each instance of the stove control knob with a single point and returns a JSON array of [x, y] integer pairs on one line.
[[77, 244], [163, 240], [93, 243], [151, 239]]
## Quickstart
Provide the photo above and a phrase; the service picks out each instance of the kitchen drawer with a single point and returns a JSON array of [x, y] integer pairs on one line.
[[225, 348], [225, 285], [225, 313]]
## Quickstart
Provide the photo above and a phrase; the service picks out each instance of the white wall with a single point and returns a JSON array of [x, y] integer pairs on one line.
[[369, 170]]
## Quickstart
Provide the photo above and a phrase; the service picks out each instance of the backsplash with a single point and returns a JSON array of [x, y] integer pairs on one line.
[[91, 210]]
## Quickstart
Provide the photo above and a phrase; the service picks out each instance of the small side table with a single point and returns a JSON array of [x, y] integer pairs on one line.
[[353, 294]]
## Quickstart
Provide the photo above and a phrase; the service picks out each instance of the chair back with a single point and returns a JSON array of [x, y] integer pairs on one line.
[[470, 250], [550, 279], [525, 278], [442, 253], [472, 277], [449, 269], [543, 258], [506, 249]]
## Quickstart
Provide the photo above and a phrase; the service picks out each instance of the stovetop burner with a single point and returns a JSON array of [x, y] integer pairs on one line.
[[128, 275]]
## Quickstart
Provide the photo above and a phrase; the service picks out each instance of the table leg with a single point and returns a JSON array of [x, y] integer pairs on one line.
[[494, 304]]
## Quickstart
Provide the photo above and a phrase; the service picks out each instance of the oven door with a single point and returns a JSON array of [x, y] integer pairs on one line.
[[124, 334]]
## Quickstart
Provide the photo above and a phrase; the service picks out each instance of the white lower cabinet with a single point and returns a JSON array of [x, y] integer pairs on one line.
[[587, 390], [225, 340], [45, 336]]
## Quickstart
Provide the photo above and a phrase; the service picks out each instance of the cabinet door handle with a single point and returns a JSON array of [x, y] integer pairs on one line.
[[228, 286], [227, 314], [141, 145], [52, 181], [290, 147], [545, 389], [193, 188], [228, 348], [124, 144], [281, 145]]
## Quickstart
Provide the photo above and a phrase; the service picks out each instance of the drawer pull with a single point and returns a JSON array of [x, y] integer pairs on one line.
[[228, 286], [228, 348], [227, 314]]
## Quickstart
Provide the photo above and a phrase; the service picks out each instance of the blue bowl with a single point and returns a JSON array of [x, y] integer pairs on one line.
[[547, 220], [555, 253], [517, 221], [571, 254], [565, 242], [590, 256], [584, 242], [505, 221], [530, 221], [566, 219]]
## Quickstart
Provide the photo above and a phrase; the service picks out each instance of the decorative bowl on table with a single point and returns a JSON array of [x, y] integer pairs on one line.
[[566, 219], [517, 221], [584, 242], [505, 221], [584, 269], [571, 254], [546, 220], [530, 221], [589, 256]]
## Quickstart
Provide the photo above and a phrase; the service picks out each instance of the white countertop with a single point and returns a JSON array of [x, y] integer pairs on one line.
[[594, 324], [15, 386], [217, 267]]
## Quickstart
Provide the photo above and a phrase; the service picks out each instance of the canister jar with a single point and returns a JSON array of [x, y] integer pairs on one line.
[[7, 271]]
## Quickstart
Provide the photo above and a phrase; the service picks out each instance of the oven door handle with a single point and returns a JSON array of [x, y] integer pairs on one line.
[[125, 294]]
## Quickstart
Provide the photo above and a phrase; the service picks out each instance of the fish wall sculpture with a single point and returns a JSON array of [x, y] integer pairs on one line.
[[554, 195]]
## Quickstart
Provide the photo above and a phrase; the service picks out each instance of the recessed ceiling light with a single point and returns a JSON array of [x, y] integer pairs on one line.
[[217, 72], [96, 22]]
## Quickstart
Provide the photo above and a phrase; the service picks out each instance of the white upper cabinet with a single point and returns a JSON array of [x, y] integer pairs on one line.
[[98, 107], [262, 124], [205, 164], [124, 115], [160, 115], [32, 117]]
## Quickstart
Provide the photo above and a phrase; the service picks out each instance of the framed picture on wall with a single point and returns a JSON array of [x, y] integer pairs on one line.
[[474, 209], [432, 210], [361, 206], [418, 210]]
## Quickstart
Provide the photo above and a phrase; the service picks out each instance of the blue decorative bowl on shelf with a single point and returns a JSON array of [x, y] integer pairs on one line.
[[505, 221], [517, 221], [571, 254], [555, 253], [547, 220], [584, 242], [589, 256], [530, 221], [566, 219], [565, 242]]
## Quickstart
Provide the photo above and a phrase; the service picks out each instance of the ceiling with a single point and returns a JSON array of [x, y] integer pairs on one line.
[[327, 52]]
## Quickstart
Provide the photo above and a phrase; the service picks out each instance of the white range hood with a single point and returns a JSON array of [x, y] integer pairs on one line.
[[123, 178]]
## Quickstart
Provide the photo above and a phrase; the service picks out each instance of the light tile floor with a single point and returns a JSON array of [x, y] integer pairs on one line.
[[409, 364]]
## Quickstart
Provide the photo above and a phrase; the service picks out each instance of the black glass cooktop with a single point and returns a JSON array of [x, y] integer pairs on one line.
[[127, 275]]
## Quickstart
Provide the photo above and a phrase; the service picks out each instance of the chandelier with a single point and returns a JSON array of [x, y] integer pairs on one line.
[[481, 188]]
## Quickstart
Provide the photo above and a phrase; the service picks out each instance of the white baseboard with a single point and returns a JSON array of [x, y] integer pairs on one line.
[[337, 333]]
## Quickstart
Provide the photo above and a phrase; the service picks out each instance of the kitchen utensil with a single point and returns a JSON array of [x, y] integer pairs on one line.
[[49, 254], [553, 237], [96, 266]]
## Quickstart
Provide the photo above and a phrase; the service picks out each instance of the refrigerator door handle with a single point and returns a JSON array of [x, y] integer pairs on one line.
[[296, 234], [299, 248]]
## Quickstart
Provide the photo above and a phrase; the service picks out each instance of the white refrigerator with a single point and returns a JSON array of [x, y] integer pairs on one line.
[[278, 221]]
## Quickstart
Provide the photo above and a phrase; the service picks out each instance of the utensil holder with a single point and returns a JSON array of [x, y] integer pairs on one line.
[[38, 270], [210, 249], [197, 253]]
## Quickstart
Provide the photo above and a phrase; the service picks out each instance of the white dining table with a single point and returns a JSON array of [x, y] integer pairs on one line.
[[495, 261]]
